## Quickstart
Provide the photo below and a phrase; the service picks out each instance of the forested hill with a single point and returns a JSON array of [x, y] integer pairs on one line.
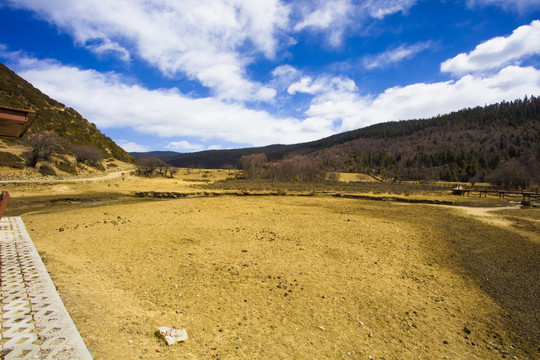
[[482, 143], [17, 93], [498, 143]]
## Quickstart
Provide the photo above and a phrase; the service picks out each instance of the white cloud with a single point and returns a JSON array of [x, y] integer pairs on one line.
[[305, 85], [509, 5], [497, 52], [422, 100], [382, 8], [284, 75], [335, 17], [323, 84], [109, 101], [395, 55], [130, 146], [184, 146], [206, 41], [323, 14], [108, 47]]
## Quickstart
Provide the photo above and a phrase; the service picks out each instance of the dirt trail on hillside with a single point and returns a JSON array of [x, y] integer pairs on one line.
[[99, 177]]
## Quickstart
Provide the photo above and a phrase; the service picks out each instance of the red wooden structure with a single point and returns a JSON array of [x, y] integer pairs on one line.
[[13, 124]]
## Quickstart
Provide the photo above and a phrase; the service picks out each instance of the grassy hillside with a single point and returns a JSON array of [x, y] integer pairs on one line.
[[15, 92]]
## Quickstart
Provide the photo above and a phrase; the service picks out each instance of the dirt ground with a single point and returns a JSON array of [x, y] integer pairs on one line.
[[289, 277]]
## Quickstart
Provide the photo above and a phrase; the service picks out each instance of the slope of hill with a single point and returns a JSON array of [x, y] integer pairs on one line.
[[499, 143], [164, 155], [15, 92], [500, 140]]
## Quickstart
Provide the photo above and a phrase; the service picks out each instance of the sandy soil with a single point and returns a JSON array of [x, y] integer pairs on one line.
[[290, 277]]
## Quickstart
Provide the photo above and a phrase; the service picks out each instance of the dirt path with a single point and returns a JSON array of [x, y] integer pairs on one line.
[[495, 216], [488, 215], [101, 177]]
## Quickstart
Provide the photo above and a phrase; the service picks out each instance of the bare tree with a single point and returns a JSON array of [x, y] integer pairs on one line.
[[43, 146], [147, 166], [87, 154], [253, 165], [301, 168]]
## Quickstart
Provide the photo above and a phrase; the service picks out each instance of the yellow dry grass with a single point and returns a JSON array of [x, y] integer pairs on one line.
[[269, 277], [349, 177]]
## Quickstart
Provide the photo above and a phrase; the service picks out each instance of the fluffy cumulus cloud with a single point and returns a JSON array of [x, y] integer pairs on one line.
[[112, 102], [421, 100], [424, 100], [130, 146], [200, 40], [497, 52]]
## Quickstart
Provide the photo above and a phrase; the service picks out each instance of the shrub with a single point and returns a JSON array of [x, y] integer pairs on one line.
[[46, 170], [67, 167], [11, 160]]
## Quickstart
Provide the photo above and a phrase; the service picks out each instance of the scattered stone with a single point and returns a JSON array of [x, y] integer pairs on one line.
[[466, 330], [172, 336], [322, 328]]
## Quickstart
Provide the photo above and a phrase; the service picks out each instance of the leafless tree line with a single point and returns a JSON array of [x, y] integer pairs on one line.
[[153, 166], [293, 168]]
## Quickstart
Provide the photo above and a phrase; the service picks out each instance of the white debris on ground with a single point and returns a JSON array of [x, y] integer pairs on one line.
[[172, 336]]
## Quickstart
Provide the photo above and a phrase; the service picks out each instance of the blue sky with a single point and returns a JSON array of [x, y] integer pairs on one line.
[[215, 74]]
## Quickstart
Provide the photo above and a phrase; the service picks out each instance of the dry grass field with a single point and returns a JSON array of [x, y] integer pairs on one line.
[[287, 277]]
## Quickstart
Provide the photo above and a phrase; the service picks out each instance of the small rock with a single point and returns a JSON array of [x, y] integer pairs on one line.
[[322, 328], [172, 336]]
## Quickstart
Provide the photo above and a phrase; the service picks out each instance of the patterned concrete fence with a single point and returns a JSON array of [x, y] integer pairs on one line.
[[34, 321]]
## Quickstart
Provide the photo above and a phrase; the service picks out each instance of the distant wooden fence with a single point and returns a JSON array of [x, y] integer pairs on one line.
[[525, 195]]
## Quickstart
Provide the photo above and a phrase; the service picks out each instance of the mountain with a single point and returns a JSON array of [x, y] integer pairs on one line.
[[493, 142], [164, 155], [17, 93]]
